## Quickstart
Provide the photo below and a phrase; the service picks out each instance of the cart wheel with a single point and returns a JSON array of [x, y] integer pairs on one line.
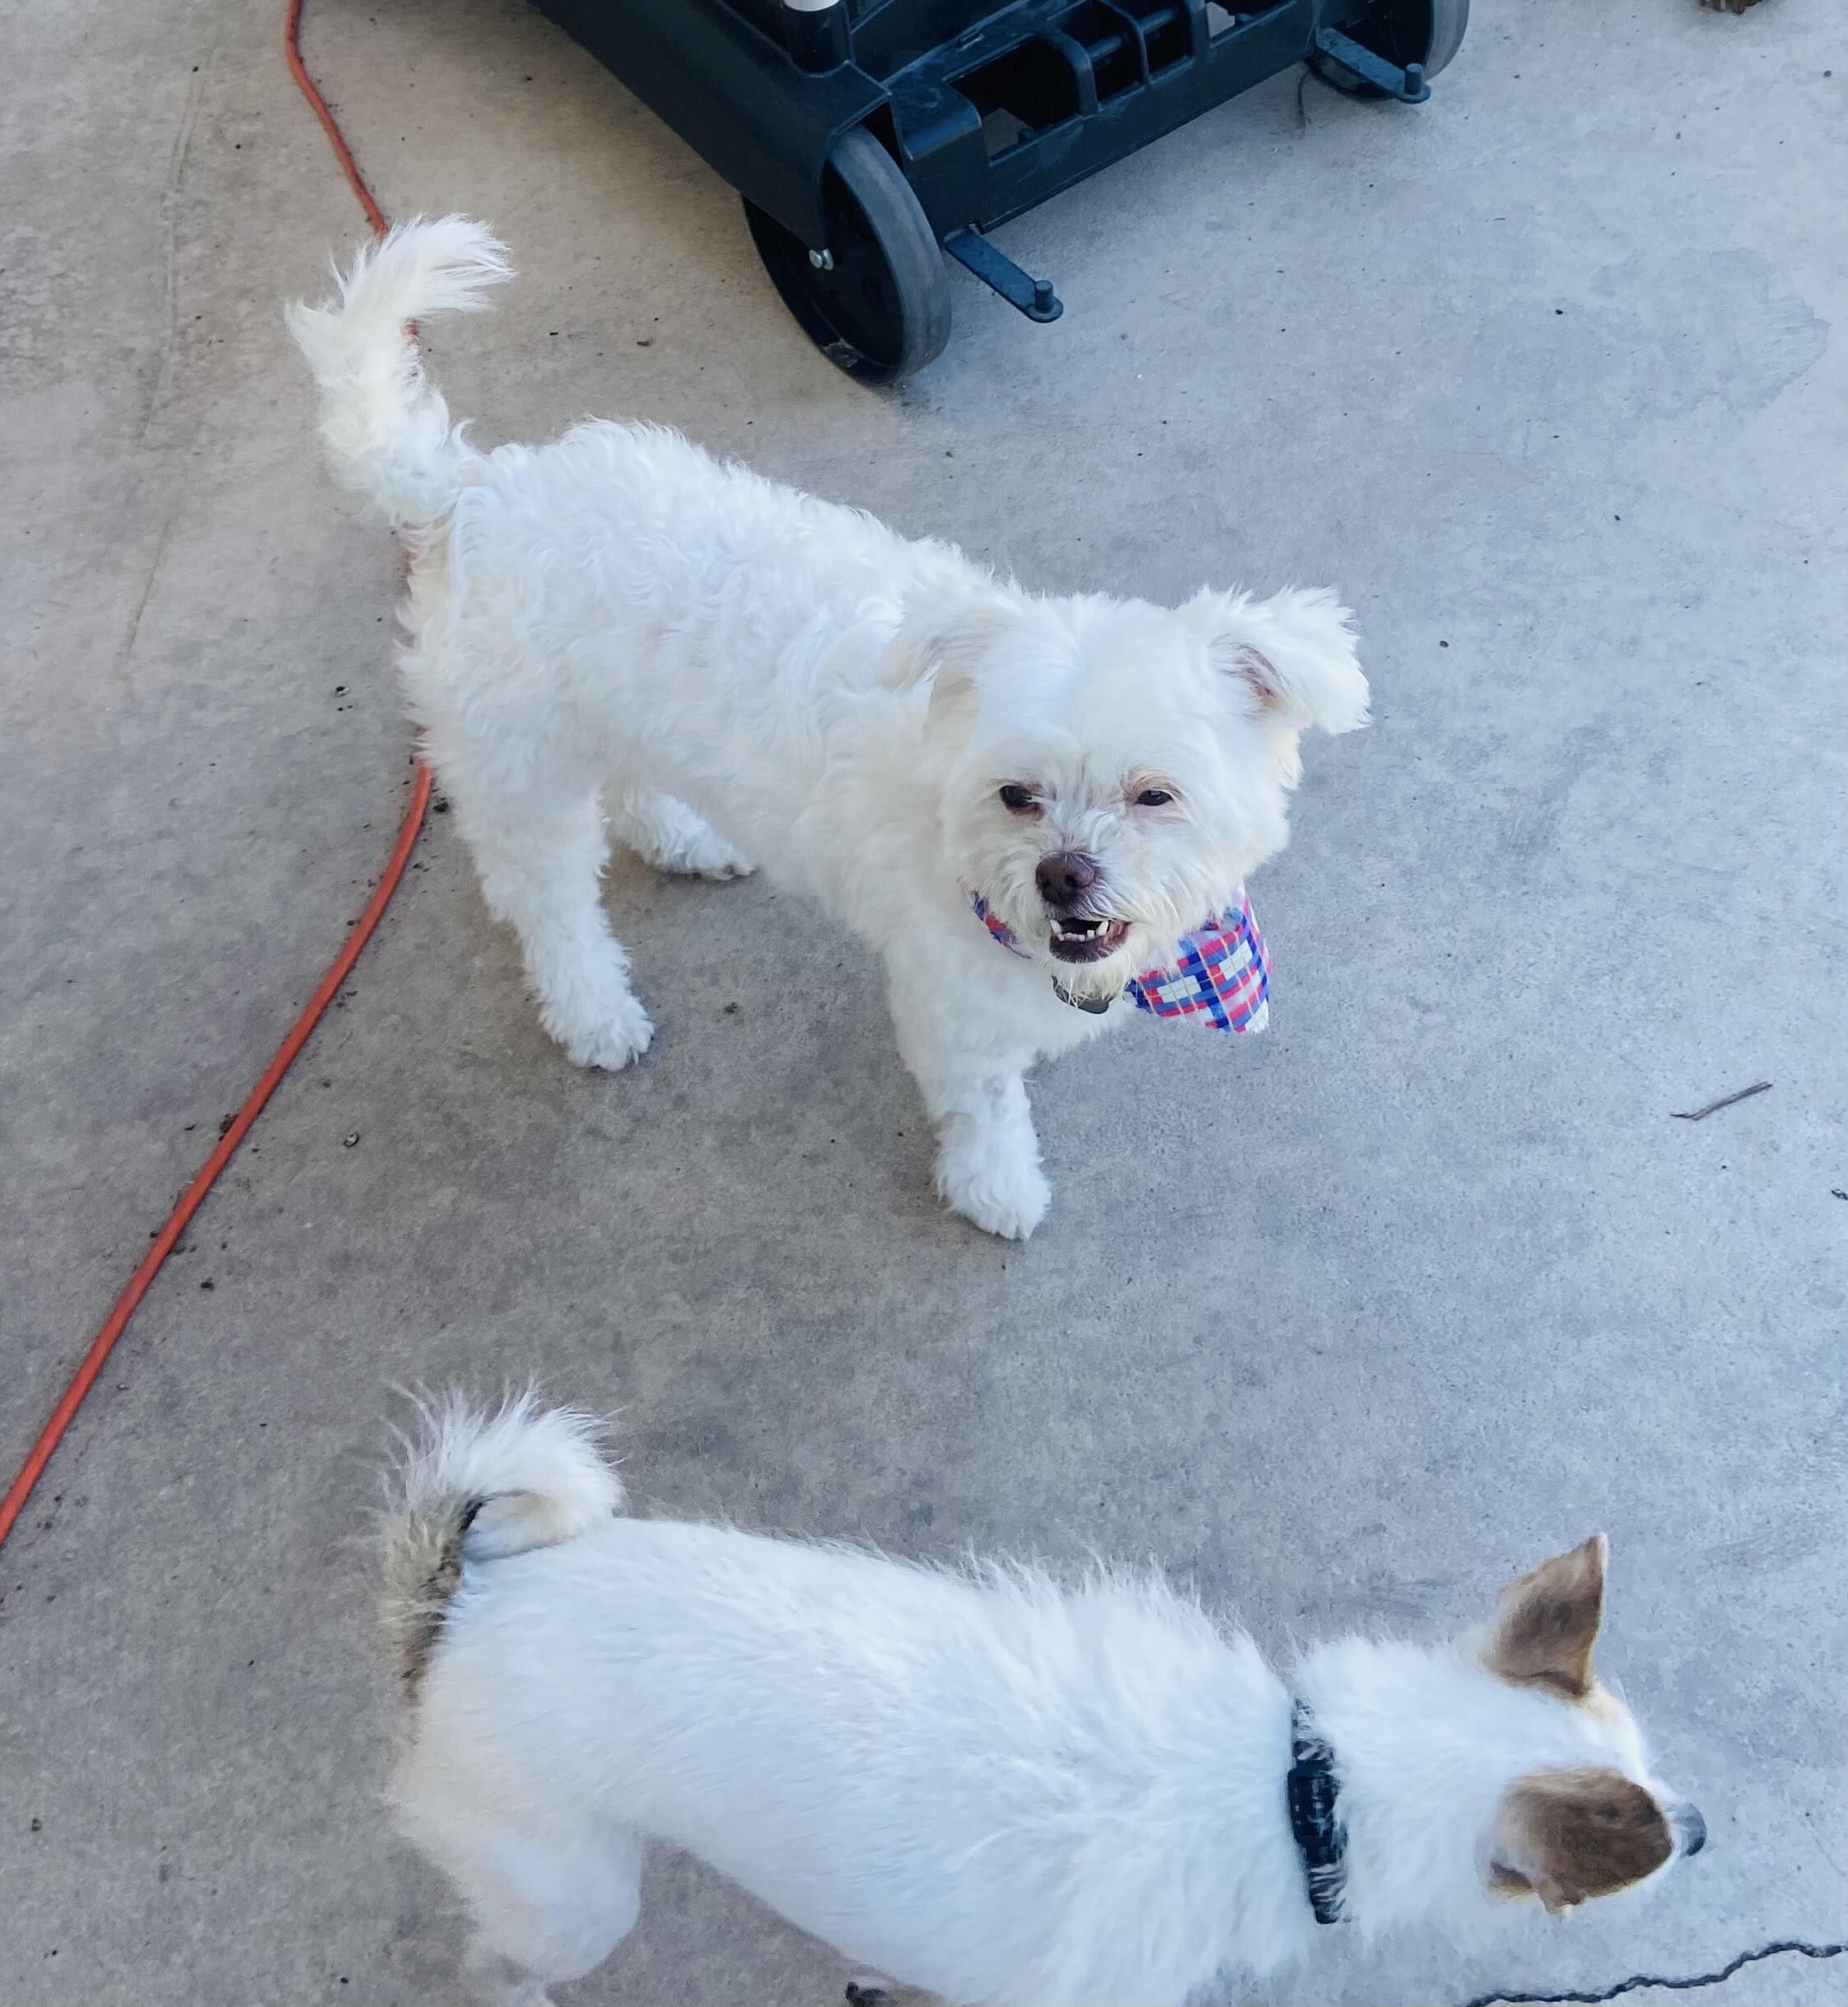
[[1426, 32], [880, 309]]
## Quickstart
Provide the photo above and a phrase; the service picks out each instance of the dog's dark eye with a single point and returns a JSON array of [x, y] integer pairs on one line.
[[1154, 798], [1018, 798]]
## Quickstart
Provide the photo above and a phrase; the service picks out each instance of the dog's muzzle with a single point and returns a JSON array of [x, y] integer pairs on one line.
[[1221, 976]]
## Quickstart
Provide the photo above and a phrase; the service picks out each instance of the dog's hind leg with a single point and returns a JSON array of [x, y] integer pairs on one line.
[[541, 856], [671, 836], [545, 1913]]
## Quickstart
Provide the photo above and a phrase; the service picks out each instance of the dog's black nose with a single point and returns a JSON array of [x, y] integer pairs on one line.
[[1691, 1829], [1065, 878]]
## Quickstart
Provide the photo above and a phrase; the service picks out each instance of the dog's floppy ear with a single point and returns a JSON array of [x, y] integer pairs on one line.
[[953, 648], [1545, 1623], [1293, 652], [945, 648], [1569, 1835]]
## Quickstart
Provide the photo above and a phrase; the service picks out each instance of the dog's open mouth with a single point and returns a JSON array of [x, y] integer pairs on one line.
[[1087, 941]]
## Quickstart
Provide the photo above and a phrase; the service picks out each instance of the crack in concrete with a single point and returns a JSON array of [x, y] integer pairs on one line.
[[1639, 1982], [128, 647]]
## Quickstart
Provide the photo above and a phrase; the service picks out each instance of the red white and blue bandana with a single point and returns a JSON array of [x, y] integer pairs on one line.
[[1221, 976]]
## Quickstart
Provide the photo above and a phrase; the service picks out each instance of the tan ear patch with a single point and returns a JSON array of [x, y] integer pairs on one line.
[[955, 650], [1546, 1623], [946, 646], [1259, 674], [1570, 1835]]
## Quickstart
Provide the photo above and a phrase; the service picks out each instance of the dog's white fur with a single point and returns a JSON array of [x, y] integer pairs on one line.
[[617, 632], [976, 1782]]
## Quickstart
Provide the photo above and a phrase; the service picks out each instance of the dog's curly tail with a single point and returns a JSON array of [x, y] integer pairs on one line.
[[387, 429], [469, 1485]]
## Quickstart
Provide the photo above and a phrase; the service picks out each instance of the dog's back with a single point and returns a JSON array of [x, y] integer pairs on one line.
[[982, 1783], [968, 1781]]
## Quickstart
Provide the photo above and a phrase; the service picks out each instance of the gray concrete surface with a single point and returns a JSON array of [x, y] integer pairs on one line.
[[1346, 1324]]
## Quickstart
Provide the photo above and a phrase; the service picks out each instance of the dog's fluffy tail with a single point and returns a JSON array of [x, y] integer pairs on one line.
[[386, 430], [470, 1485]]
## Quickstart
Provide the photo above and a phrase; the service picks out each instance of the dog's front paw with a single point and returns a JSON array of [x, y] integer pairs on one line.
[[623, 1034], [992, 1178], [1008, 1207]]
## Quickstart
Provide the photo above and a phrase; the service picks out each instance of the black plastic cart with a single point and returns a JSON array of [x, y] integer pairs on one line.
[[870, 137]]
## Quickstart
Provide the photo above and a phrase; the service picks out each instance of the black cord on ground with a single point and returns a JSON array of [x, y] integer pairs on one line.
[[1642, 1980]]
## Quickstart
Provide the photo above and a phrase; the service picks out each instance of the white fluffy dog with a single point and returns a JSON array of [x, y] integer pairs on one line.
[[616, 633], [977, 1782]]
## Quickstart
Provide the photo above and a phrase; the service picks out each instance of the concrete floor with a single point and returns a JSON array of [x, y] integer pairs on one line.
[[1547, 377]]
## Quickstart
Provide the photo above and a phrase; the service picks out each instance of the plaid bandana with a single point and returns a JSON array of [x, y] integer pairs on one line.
[[1220, 977]]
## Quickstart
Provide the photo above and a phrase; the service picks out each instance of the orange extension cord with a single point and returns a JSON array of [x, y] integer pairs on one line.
[[30, 1471]]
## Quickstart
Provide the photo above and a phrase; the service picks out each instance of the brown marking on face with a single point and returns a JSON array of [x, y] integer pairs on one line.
[[1546, 1623], [1567, 1835]]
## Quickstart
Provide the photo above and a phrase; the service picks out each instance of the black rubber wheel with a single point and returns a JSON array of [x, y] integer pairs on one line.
[[1426, 32], [880, 309]]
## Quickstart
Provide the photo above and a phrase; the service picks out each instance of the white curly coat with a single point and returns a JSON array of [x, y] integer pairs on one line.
[[616, 634]]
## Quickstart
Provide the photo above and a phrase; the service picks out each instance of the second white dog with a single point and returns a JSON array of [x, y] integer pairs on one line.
[[977, 1783], [617, 634]]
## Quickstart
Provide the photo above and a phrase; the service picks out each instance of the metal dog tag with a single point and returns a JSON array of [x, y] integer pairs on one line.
[[1097, 1005]]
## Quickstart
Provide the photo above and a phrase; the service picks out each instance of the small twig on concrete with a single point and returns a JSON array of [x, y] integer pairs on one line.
[[1713, 1108]]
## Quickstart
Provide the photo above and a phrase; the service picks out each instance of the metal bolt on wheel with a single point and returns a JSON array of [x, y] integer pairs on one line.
[[876, 300]]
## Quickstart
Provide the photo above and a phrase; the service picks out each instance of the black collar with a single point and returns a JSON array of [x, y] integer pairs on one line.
[[1315, 1824]]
